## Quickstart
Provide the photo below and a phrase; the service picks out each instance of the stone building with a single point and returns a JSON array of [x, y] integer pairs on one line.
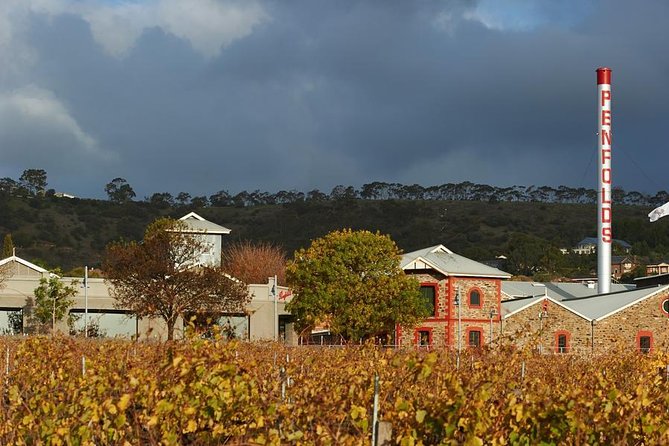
[[564, 320], [462, 295]]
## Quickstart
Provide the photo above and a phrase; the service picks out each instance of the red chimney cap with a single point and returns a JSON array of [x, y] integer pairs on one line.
[[603, 75]]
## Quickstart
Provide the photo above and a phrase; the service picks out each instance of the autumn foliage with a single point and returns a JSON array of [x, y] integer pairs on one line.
[[68, 391], [254, 262]]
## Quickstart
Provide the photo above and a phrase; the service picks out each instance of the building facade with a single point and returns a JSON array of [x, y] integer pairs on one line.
[[265, 317], [463, 296]]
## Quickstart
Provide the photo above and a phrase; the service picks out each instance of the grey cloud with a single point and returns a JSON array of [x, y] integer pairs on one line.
[[323, 93]]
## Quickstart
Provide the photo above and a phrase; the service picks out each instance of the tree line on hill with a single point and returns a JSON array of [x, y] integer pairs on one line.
[[467, 218], [33, 182]]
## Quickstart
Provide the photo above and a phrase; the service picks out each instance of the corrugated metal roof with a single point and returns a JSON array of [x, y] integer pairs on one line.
[[511, 306], [602, 305], [557, 290], [578, 298], [447, 262], [199, 224]]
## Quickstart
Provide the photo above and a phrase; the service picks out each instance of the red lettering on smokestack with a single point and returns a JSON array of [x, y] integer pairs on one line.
[[607, 235], [606, 118], [606, 96], [606, 215], [605, 199], [606, 175], [606, 137]]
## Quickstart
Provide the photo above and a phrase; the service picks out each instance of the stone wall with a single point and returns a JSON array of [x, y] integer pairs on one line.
[[622, 329], [443, 327], [539, 325]]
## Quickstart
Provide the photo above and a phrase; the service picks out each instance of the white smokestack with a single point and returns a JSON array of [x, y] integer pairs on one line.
[[604, 215]]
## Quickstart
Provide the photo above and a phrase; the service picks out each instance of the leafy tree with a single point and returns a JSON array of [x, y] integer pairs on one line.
[[53, 299], [160, 277], [255, 262], [199, 202], [221, 198], [119, 191], [183, 198], [352, 281], [7, 246], [162, 200], [34, 181], [8, 186]]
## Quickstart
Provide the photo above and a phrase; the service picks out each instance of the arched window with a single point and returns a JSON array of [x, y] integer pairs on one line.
[[475, 298]]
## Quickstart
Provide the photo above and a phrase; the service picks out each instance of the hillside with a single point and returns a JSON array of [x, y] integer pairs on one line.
[[68, 233]]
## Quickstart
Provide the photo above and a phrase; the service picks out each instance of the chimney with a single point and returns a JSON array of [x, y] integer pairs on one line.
[[604, 218]]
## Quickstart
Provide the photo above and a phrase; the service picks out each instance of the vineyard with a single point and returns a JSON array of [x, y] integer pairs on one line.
[[68, 391]]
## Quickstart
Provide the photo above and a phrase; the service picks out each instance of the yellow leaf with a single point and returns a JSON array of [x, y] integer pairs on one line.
[[191, 427], [123, 402], [420, 415]]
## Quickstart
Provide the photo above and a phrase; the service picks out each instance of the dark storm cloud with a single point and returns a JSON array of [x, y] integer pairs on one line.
[[319, 93]]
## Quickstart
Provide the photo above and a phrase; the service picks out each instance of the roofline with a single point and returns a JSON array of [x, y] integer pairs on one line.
[[642, 298], [202, 231], [654, 275], [24, 263], [494, 276], [545, 296]]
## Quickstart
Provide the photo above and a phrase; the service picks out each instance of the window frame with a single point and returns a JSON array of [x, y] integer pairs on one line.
[[662, 309], [639, 337], [435, 302], [417, 338], [468, 334], [469, 297], [567, 346]]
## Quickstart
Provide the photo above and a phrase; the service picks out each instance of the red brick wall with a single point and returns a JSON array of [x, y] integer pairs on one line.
[[443, 325]]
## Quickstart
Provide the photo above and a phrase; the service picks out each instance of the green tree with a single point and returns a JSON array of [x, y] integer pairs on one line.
[[119, 191], [34, 181], [161, 276], [7, 246], [53, 299], [352, 281]]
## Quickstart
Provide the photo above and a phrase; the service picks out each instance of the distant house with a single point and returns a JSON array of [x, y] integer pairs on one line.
[[589, 246], [621, 265], [211, 235], [657, 268]]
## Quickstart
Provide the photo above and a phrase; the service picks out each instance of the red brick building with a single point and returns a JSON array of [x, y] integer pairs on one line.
[[463, 295]]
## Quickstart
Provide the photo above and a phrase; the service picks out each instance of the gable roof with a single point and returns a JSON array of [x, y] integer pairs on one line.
[[445, 261], [593, 241], [604, 305], [25, 263], [557, 290], [510, 307], [577, 298], [196, 223]]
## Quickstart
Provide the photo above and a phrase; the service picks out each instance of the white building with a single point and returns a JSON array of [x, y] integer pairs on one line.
[[265, 316]]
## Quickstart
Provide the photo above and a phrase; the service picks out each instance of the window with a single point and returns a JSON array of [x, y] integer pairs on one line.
[[423, 337], [645, 344], [428, 296], [475, 338], [562, 346], [475, 298], [665, 306]]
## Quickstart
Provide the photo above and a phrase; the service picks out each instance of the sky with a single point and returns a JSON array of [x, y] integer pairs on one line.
[[207, 95]]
